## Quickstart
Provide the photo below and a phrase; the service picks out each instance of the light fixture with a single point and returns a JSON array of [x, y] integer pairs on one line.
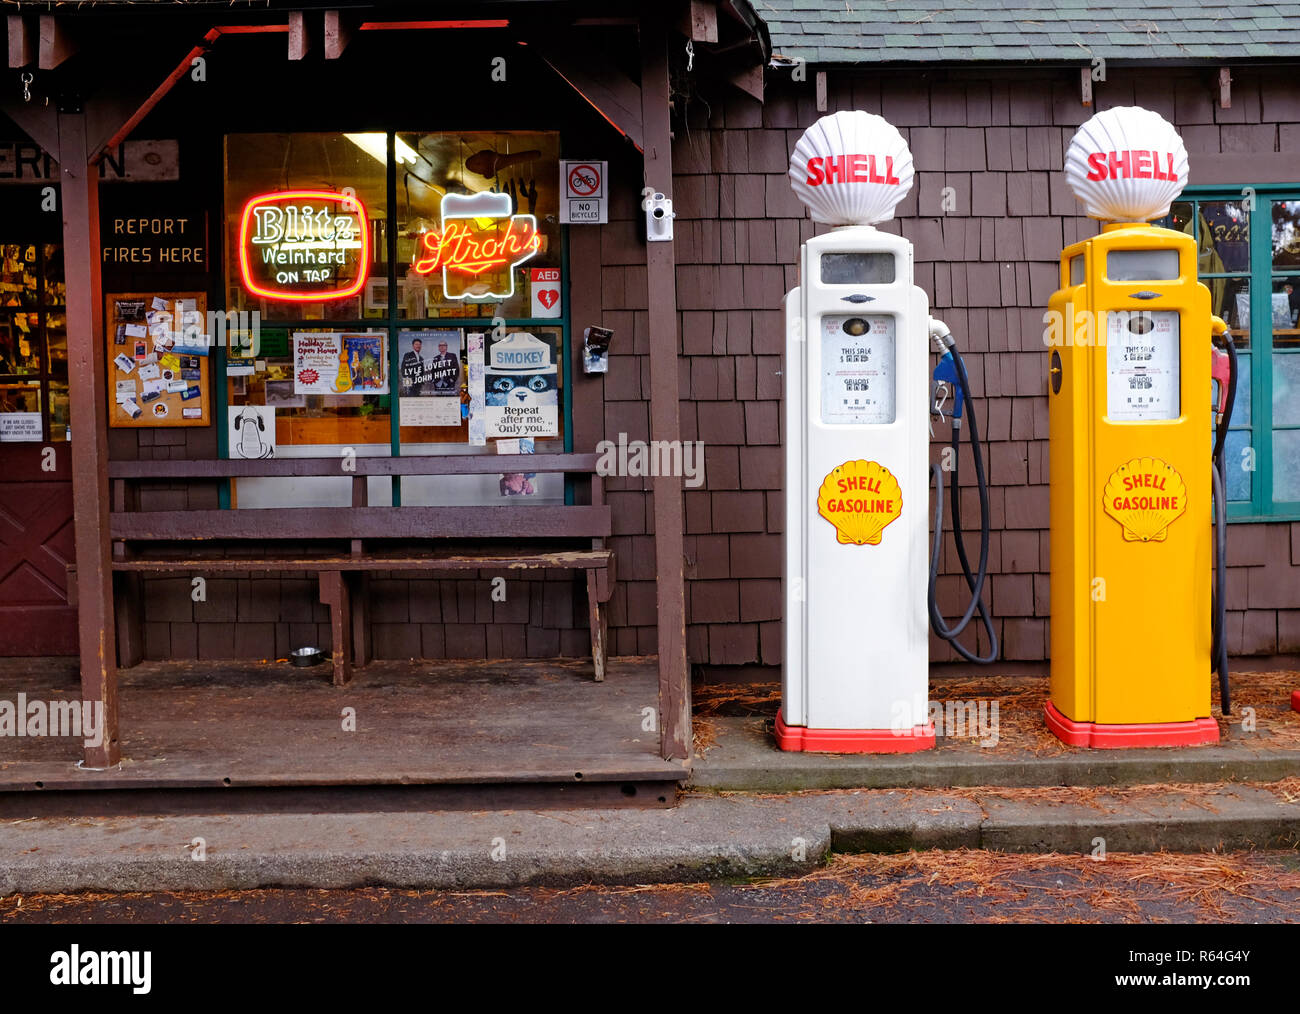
[[376, 146]]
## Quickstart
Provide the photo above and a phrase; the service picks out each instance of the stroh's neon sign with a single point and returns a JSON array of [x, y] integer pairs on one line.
[[304, 245], [477, 261]]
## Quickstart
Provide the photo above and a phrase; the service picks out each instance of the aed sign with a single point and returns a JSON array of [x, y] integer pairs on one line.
[[584, 196], [304, 245], [546, 292], [478, 247]]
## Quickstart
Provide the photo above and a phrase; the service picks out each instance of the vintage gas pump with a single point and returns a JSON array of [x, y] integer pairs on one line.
[[1130, 359], [857, 416]]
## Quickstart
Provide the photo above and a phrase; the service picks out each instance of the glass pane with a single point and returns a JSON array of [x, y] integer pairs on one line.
[[20, 343], [59, 411], [1286, 466], [56, 340], [20, 412], [1237, 464], [297, 415], [1286, 388], [56, 292], [1241, 407], [1224, 237], [293, 201], [1180, 218], [1230, 299], [1286, 235], [478, 216]]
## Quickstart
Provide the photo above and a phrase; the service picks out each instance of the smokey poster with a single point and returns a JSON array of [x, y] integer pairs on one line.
[[521, 391]]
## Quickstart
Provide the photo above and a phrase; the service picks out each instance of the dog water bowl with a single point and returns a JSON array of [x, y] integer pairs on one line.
[[303, 657]]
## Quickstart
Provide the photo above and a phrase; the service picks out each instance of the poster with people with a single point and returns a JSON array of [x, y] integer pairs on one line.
[[521, 389], [430, 377]]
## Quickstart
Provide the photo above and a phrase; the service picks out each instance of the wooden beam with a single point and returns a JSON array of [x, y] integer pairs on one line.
[[821, 91], [22, 41], [299, 38], [1085, 85], [1225, 88], [698, 21], [604, 87], [87, 400], [750, 82], [339, 27], [669, 521], [54, 46]]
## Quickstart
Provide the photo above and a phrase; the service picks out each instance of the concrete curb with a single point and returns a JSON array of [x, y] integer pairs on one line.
[[706, 837], [744, 759]]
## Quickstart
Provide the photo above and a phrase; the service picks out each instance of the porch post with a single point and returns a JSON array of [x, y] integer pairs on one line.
[[89, 437], [674, 676]]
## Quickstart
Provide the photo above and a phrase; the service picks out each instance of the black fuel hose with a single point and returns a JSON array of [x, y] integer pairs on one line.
[[1219, 473], [974, 578]]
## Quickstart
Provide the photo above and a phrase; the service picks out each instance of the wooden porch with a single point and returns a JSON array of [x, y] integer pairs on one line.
[[239, 736]]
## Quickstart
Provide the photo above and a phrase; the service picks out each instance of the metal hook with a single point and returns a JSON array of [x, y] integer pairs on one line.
[[27, 80], [690, 56]]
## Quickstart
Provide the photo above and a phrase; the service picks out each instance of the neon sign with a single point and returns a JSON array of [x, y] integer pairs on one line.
[[304, 245], [479, 246]]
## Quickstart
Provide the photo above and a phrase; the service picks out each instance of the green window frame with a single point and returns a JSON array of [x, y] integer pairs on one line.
[[1255, 424]]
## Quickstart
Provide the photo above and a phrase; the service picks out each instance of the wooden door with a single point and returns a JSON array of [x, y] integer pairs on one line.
[[36, 547]]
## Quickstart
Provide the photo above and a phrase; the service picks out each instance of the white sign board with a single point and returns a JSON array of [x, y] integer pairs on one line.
[[20, 427], [585, 193]]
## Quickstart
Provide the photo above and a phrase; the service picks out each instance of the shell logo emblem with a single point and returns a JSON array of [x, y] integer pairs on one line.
[[1146, 496], [860, 498]]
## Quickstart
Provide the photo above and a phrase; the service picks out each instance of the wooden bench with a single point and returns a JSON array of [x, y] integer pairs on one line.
[[342, 545]]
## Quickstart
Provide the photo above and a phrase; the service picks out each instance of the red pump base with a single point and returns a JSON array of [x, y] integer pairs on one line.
[[1118, 737], [1295, 700], [799, 738]]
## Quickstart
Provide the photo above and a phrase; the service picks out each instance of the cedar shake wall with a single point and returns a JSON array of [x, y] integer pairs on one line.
[[998, 140], [989, 267]]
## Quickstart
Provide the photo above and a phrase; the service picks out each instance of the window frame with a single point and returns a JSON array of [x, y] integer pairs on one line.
[[1261, 507], [392, 325]]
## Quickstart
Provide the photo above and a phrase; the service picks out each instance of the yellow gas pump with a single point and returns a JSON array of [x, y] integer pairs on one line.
[[1129, 367]]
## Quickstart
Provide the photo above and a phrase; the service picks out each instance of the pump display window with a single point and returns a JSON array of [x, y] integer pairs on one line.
[[1248, 256]]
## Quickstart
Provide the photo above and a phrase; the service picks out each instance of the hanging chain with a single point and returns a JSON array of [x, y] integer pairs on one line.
[[27, 80], [690, 56]]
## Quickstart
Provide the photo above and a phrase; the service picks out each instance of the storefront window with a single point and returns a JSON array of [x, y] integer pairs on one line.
[[33, 343], [429, 323]]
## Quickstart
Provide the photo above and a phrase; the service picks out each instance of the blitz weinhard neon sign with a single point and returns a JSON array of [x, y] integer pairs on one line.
[[304, 245], [478, 247]]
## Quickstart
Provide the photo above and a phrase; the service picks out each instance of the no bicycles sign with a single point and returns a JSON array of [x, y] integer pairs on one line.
[[585, 198]]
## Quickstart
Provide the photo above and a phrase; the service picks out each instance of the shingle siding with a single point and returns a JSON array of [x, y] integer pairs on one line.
[[989, 267]]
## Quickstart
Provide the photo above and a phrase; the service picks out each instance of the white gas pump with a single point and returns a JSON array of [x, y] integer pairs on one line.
[[857, 418]]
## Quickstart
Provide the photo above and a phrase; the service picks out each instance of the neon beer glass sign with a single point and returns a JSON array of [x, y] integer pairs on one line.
[[478, 247], [304, 245]]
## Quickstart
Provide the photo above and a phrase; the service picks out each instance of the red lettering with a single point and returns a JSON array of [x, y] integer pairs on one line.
[[1142, 163], [889, 170], [1096, 166], [814, 171], [1116, 161], [861, 169], [1169, 161]]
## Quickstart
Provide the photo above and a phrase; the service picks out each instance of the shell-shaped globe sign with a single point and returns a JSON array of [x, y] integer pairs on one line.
[[851, 168], [860, 498], [1126, 164], [1146, 496]]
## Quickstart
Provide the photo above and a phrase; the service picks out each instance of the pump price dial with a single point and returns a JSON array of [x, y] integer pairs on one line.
[[857, 369], [1142, 365]]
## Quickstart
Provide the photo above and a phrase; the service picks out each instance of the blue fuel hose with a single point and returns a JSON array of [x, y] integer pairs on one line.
[[952, 366]]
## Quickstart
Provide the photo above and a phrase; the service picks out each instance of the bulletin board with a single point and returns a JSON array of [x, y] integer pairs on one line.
[[165, 385]]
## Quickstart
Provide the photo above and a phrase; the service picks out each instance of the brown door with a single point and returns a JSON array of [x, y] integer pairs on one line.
[[35, 550], [35, 458]]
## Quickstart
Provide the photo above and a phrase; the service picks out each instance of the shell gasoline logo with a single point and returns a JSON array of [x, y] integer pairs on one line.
[[1146, 496], [860, 498]]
